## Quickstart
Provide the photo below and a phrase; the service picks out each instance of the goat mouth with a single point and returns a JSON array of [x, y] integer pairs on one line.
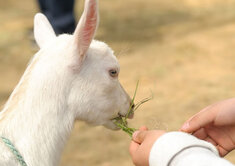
[[130, 115], [120, 115]]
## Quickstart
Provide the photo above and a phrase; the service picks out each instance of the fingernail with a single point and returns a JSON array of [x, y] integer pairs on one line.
[[135, 135], [185, 126]]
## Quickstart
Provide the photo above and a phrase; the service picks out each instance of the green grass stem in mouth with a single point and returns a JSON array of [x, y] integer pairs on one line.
[[121, 122]]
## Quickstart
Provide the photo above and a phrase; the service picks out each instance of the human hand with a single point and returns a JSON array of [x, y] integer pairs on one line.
[[215, 124], [141, 144]]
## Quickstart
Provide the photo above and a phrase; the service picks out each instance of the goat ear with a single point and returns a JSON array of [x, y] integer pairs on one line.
[[43, 31], [85, 30]]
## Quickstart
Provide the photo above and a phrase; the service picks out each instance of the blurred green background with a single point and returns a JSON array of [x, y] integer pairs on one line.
[[182, 50]]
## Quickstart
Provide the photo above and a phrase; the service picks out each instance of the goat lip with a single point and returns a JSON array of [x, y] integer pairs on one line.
[[130, 116], [115, 118], [121, 115]]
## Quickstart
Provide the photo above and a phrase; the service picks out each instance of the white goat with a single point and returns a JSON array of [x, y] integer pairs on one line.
[[72, 77]]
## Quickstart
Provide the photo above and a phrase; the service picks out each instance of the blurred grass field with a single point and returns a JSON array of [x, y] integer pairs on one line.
[[183, 51]]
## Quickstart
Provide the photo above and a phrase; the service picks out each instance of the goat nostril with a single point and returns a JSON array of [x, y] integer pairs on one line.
[[133, 106]]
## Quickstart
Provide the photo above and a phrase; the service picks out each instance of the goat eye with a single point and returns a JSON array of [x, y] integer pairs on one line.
[[113, 73]]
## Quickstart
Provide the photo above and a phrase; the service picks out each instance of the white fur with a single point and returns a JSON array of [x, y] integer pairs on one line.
[[68, 79]]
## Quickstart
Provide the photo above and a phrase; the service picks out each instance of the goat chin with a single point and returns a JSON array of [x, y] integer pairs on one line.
[[110, 125]]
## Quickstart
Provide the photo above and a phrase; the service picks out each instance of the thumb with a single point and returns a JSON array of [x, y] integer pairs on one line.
[[139, 136], [198, 121]]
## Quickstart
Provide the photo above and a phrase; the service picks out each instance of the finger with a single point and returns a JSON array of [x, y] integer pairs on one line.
[[201, 134], [143, 128], [139, 136], [133, 148], [223, 152], [208, 139], [220, 137], [199, 120], [185, 126]]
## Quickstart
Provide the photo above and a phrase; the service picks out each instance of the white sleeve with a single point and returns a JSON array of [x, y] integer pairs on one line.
[[181, 149]]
